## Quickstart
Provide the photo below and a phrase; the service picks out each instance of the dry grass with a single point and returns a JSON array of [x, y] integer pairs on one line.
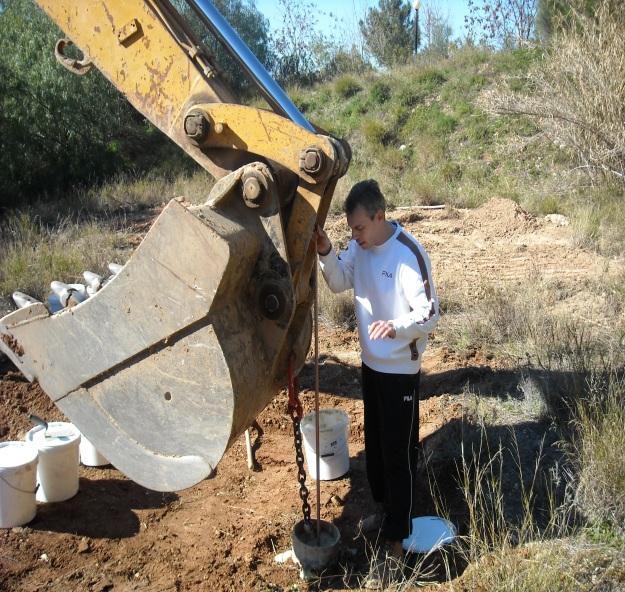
[[134, 193], [598, 221], [575, 371], [59, 240], [32, 253], [568, 565], [543, 545], [575, 93], [597, 451], [547, 327], [336, 310]]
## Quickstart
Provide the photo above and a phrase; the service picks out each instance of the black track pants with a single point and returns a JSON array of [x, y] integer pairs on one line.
[[391, 403]]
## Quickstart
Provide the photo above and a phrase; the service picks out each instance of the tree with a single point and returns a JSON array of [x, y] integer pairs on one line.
[[57, 128], [501, 23], [296, 44], [334, 60], [387, 30], [437, 31]]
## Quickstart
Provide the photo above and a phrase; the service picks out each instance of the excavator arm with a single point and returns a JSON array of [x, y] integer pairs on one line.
[[173, 359]]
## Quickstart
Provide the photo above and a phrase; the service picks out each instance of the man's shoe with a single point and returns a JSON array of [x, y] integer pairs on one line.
[[372, 522]]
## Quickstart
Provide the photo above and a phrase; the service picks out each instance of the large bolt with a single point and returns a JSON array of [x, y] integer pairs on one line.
[[252, 188], [272, 304], [196, 125], [312, 160], [272, 301], [252, 192]]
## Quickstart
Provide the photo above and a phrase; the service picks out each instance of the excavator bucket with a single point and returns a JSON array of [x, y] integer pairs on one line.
[[176, 356]]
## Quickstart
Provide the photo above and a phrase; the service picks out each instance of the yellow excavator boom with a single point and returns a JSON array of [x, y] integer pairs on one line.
[[173, 359]]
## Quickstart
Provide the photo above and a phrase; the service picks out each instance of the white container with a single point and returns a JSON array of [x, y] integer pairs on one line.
[[334, 454], [429, 533], [89, 455], [18, 474], [57, 472]]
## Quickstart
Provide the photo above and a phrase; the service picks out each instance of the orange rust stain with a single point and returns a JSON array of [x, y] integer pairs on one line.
[[13, 345]]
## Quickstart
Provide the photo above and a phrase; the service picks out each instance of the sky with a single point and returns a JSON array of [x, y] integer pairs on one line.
[[340, 17]]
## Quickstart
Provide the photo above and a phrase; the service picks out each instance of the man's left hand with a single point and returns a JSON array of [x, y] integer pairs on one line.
[[381, 329]]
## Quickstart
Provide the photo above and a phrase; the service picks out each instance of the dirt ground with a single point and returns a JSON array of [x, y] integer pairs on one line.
[[224, 533]]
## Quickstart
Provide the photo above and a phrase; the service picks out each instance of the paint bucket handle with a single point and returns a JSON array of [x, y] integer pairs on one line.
[[34, 491]]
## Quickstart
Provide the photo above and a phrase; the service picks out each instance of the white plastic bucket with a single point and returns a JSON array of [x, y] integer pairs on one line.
[[89, 455], [57, 472], [333, 450], [18, 470]]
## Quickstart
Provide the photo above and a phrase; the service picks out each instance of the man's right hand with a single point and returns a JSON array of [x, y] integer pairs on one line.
[[324, 246]]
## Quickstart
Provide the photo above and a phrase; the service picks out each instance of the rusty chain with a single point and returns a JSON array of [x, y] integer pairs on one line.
[[295, 411], [301, 472]]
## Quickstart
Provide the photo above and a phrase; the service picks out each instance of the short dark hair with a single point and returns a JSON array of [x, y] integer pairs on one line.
[[366, 194]]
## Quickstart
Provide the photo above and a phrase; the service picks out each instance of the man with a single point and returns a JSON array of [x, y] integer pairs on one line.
[[396, 309]]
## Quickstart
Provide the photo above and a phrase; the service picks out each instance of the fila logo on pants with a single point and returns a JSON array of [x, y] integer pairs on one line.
[[407, 398]]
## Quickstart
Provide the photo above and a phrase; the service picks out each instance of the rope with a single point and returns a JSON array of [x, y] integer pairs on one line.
[[316, 353]]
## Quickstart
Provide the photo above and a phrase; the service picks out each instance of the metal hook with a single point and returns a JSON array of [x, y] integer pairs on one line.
[[80, 67]]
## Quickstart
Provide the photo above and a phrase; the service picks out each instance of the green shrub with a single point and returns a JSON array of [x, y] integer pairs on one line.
[[450, 171], [346, 87], [431, 120], [516, 60], [429, 80], [380, 92], [469, 57], [549, 204], [392, 160], [422, 188], [308, 100], [301, 99], [409, 96], [375, 132], [478, 128]]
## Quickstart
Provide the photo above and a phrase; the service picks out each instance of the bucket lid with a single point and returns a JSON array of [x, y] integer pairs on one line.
[[16, 454], [58, 434], [428, 534], [329, 419]]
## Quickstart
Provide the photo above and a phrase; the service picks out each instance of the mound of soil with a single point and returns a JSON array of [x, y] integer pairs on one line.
[[500, 217]]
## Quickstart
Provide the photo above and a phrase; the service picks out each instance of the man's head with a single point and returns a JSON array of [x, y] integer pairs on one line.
[[367, 195], [365, 209]]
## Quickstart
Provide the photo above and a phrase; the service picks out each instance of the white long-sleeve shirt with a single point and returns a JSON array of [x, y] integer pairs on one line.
[[391, 282]]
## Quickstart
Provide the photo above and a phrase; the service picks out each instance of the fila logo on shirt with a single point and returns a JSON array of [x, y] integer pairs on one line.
[[387, 274], [407, 398]]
